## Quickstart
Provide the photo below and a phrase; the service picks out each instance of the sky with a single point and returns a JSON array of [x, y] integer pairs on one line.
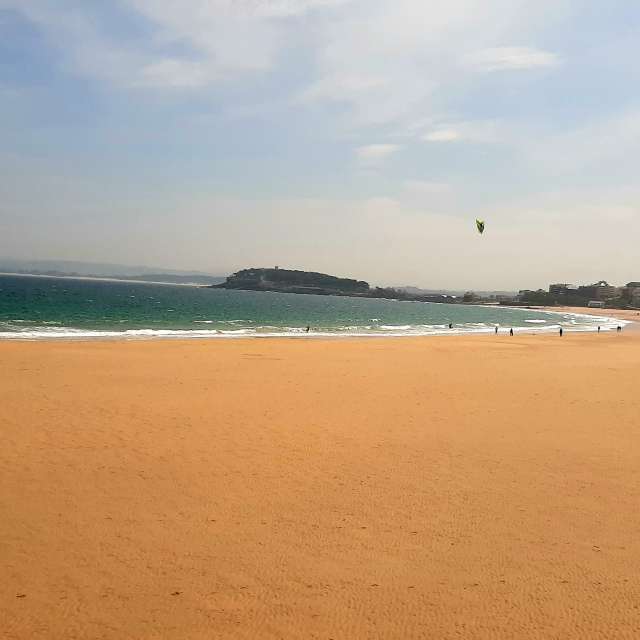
[[356, 137]]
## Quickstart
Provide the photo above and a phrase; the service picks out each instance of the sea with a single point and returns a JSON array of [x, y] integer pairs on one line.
[[37, 308]]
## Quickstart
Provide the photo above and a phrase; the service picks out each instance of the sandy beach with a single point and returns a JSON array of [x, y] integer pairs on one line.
[[456, 487]]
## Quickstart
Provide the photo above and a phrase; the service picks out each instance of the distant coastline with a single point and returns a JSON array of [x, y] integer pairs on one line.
[[600, 295], [130, 280]]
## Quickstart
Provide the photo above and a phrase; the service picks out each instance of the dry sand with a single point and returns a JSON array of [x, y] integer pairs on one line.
[[483, 487]]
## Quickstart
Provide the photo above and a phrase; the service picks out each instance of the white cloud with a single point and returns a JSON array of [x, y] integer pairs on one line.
[[172, 73], [280, 8], [589, 149], [511, 59], [443, 135], [407, 54], [341, 88], [382, 62], [374, 154], [193, 43], [481, 131], [394, 66]]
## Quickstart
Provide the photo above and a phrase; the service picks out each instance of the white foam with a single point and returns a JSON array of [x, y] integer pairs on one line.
[[48, 330]]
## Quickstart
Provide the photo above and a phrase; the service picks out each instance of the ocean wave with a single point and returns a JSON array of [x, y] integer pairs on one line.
[[48, 330]]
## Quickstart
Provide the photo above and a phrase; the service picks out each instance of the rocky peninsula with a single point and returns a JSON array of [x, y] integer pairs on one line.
[[314, 283]]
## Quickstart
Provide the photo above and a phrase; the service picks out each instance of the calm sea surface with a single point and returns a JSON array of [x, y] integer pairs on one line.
[[37, 308]]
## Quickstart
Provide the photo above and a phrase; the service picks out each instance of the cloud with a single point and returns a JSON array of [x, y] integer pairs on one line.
[[374, 154], [483, 131], [182, 44], [341, 88], [382, 62], [172, 73], [427, 187], [424, 82], [511, 59], [443, 135], [279, 8], [588, 149], [391, 63]]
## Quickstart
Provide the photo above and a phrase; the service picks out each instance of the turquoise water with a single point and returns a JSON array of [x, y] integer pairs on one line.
[[36, 308]]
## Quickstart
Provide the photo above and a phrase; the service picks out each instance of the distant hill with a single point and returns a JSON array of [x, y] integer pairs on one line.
[[450, 292], [72, 268], [417, 291], [175, 279], [293, 281], [312, 282]]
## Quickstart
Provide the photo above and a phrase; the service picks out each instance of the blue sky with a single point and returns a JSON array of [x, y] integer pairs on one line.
[[350, 136]]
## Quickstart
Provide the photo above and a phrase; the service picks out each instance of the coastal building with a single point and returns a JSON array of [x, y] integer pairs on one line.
[[598, 294], [600, 290], [562, 289], [632, 293]]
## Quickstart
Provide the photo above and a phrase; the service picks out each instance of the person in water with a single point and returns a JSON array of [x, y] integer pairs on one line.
[[496, 329], [450, 325], [308, 329], [618, 328], [561, 332], [510, 332], [598, 329]]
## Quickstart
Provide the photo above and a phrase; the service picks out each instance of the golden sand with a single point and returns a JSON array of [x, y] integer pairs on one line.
[[484, 487]]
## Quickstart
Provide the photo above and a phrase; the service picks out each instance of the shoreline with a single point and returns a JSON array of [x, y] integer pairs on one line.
[[630, 315], [146, 335], [302, 336]]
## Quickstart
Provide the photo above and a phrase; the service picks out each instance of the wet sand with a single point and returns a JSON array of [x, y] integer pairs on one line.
[[631, 316], [469, 487]]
